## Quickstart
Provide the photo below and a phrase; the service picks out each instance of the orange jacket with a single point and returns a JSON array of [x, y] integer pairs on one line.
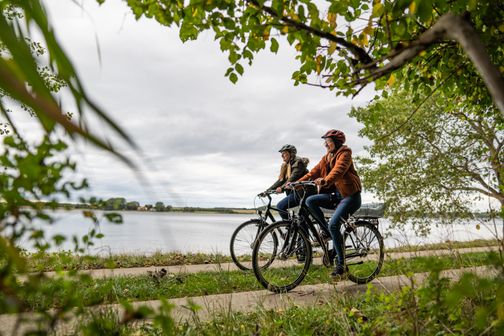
[[337, 169]]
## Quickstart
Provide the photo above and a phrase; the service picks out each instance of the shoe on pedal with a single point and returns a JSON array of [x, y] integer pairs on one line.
[[340, 272]]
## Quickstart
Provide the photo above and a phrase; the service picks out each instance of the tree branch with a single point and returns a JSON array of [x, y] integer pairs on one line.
[[454, 27], [357, 51]]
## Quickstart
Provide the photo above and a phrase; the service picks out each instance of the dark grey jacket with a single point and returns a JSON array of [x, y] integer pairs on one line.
[[298, 170]]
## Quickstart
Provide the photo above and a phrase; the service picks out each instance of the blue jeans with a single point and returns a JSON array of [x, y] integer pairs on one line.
[[291, 201], [327, 201], [344, 209]]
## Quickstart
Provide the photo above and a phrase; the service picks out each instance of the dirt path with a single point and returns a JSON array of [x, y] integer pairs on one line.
[[104, 273], [249, 301]]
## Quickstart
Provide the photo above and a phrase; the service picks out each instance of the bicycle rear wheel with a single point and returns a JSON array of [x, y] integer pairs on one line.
[[242, 242], [283, 272], [363, 252]]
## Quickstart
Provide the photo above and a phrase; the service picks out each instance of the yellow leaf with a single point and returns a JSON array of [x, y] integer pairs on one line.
[[422, 53], [332, 48], [478, 226], [377, 9], [331, 18], [266, 34], [298, 46], [285, 29], [412, 7], [364, 40], [501, 27], [319, 61], [368, 30], [501, 68], [391, 80]]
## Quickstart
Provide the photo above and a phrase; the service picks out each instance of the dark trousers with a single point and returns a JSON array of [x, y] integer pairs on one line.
[[291, 201]]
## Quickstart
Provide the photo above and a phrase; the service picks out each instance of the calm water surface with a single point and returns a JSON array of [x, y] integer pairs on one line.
[[148, 232]]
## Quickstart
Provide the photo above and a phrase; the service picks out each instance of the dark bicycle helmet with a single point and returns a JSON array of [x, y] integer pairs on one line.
[[335, 135], [290, 148]]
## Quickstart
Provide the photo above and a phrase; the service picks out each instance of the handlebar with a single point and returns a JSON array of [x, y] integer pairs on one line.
[[267, 193], [302, 184]]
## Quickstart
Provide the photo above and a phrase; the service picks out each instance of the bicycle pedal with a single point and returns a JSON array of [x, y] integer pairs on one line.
[[339, 277]]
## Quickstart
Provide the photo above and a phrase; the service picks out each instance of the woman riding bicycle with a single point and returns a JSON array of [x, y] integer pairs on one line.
[[339, 186], [293, 167]]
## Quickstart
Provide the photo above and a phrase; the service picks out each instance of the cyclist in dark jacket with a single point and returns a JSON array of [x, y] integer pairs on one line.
[[293, 168]]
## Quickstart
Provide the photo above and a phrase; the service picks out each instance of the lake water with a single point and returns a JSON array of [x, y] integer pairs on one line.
[[148, 232]]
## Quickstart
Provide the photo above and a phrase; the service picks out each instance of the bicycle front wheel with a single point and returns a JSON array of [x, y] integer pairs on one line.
[[363, 252], [289, 259], [242, 242]]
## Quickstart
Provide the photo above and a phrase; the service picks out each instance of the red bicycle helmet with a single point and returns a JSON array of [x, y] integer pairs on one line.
[[335, 135]]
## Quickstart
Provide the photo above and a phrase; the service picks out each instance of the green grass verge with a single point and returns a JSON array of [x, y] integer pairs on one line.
[[141, 288], [43, 262]]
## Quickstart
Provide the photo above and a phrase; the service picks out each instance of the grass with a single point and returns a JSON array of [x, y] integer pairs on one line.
[[66, 260], [328, 319], [141, 288], [432, 309], [447, 245], [43, 262]]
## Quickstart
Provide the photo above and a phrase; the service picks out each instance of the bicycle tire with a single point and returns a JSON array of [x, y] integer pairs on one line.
[[242, 241], [364, 252], [283, 273]]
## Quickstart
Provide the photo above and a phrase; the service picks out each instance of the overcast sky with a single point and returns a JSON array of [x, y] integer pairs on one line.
[[204, 141]]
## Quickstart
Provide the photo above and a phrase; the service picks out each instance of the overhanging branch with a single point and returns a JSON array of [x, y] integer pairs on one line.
[[357, 51], [455, 27]]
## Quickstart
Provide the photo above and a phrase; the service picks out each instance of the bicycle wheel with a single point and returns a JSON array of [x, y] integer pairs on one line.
[[363, 252], [242, 242], [283, 272]]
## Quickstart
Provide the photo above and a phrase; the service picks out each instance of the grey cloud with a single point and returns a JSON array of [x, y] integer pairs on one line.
[[204, 140]]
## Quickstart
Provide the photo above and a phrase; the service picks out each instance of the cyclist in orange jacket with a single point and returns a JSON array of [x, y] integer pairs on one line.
[[340, 188]]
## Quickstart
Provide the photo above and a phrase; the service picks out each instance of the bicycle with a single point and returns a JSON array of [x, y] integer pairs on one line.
[[277, 246], [244, 237]]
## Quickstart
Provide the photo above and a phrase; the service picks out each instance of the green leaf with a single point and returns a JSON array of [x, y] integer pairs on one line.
[[424, 9], [239, 68], [233, 77], [274, 45]]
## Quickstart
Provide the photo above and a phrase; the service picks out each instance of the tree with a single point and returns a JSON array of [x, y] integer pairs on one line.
[[345, 45], [118, 203], [133, 205], [436, 161], [159, 206]]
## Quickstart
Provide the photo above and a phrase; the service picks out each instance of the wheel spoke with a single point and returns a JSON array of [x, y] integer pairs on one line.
[[365, 251], [242, 242], [283, 272]]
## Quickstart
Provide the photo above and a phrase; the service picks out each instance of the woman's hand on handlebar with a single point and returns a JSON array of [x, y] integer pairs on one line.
[[269, 192], [297, 185], [319, 181]]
